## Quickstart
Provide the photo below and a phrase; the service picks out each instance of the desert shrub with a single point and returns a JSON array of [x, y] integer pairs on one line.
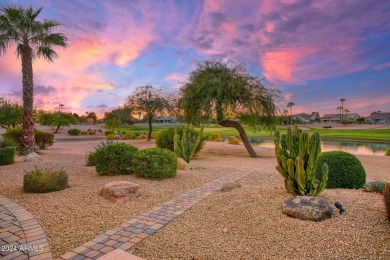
[[111, 137], [100, 131], [142, 137], [139, 133], [90, 159], [108, 132], [74, 131], [129, 136], [92, 132], [214, 137], [7, 143], [387, 153], [45, 180], [165, 137], [42, 139], [155, 163], [233, 140], [84, 132], [327, 126], [7, 155], [115, 159], [345, 170], [124, 132], [375, 186], [386, 195], [185, 145]]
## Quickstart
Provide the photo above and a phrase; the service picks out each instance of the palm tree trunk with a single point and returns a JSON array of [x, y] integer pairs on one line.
[[27, 144], [150, 128], [241, 131]]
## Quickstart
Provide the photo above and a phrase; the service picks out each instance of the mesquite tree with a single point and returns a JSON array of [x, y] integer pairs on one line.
[[148, 100], [226, 92], [33, 39]]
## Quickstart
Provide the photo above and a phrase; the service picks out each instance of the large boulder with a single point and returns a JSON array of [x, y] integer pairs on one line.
[[182, 165], [307, 208], [120, 191]]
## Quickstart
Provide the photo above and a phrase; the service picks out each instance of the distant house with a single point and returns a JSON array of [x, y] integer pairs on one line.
[[304, 118], [164, 119], [336, 118], [379, 118]]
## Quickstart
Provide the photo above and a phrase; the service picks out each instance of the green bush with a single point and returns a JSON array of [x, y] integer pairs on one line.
[[45, 180], [233, 140], [386, 195], [74, 131], [155, 163], [345, 170], [375, 186], [7, 143], [165, 137], [129, 136], [115, 159], [42, 139], [90, 159], [387, 153], [111, 137], [142, 137], [7, 155], [108, 132], [214, 137]]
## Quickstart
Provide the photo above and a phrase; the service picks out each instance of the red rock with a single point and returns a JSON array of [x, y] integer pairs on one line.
[[120, 191]]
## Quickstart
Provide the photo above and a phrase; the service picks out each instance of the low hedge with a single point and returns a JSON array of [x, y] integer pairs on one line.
[[42, 139], [7, 155], [155, 163], [345, 170], [74, 131], [115, 159], [45, 180]]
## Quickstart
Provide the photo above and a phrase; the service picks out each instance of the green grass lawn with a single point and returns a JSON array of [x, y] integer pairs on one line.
[[373, 134]]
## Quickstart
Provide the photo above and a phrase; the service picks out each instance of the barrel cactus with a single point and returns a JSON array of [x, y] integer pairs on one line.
[[296, 155]]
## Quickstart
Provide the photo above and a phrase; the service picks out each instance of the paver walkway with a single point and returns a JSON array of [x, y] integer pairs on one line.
[[137, 229], [21, 236]]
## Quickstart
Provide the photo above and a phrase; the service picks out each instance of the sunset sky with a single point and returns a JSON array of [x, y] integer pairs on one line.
[[315, 52]]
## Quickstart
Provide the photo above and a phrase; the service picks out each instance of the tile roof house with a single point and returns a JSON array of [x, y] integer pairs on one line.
[[335, 118], [305, 118], [379, 118]]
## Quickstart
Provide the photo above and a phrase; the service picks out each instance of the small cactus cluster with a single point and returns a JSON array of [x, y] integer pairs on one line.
[[185, 145], [296, 155], [386, 194]]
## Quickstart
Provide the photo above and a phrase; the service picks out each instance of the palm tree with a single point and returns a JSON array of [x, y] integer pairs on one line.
[[346, 110], [342, 108], [290, 105], [34, 39]]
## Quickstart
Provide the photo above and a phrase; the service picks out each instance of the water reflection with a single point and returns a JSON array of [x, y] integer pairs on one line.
[[354, 147]]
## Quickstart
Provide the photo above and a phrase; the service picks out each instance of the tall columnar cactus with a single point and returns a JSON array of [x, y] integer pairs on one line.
[[296, 155], [186, 145]]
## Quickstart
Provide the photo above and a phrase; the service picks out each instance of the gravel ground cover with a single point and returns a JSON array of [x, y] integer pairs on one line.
[[247, 223], [243, 223]]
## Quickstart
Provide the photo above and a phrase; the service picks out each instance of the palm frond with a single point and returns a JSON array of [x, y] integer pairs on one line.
[[47, 53]]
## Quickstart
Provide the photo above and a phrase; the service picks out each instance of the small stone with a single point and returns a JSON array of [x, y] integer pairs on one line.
[[225, 229], [307, 208], [182, 165], [230, 186], [120, 191], [33, 157]]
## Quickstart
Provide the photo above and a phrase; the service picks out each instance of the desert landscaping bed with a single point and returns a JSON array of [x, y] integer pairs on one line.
[[243, 223], [247, 223]]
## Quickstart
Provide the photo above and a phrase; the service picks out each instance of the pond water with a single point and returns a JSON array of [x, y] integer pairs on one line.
[[354, 147]]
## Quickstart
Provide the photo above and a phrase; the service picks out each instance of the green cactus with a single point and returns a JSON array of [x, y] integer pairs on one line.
[[185, 146], [296, 155]]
